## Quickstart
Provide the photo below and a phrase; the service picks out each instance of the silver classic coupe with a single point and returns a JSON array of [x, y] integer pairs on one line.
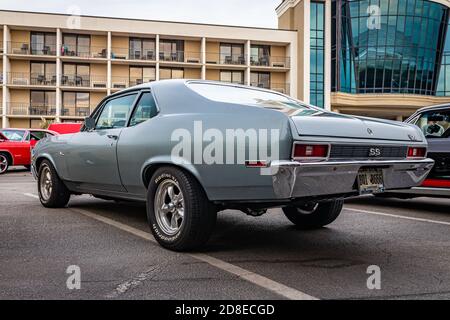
[[191, 148]]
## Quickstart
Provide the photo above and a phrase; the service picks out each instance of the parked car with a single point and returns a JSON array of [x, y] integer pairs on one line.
[[435, 123], [125, 150], [65, 127], [15, 146]]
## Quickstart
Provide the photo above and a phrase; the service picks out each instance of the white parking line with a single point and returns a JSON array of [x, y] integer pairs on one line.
[[397, 216], [259, 280]]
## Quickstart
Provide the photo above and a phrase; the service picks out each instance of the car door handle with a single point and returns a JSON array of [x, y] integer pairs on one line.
[[113, 136]]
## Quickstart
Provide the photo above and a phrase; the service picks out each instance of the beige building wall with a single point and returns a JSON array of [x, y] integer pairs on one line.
[[20, 123], [212, 52], [120, 46], [213, 75], [191, 73], [192, 50]]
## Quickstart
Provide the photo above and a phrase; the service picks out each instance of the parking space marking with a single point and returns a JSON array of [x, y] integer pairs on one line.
[[249, 276], [397, 216]]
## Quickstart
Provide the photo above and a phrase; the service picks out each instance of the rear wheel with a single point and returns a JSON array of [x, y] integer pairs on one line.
[[179, 213], [314, 215], [4, 163], [52, 191]]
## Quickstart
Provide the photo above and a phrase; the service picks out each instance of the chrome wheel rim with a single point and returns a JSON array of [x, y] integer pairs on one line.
[[307, 208], [3, 163], [169, 207], [46, 185]]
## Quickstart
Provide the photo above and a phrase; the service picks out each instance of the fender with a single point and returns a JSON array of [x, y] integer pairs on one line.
[[169, 160]]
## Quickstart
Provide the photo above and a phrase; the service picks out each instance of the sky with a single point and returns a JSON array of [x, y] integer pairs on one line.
[[254, 13]]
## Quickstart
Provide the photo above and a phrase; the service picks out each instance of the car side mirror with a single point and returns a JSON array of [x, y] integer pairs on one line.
[[89, 123]]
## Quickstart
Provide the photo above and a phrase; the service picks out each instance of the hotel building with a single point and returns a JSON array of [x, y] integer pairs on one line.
[[382, 58]]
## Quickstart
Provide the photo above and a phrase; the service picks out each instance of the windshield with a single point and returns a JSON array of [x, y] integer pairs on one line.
[[13, 135], [435, 124], [253, 97]]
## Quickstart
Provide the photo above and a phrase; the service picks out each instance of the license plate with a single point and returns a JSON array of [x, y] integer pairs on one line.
[[370, 181]]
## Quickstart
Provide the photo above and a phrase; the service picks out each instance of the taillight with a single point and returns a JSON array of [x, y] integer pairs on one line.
[[417, 152], [310, 151]]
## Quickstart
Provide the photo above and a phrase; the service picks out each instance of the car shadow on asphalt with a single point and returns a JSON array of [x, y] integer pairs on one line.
[[431, 205]]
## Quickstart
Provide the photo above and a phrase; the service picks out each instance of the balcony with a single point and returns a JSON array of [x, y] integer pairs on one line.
[[79, 112], [33, 79], [1, 47], [87, 52], [36, 49], [179, 56], [279, 87], [84, 81], [26, 109], [220, 58], [270, 61]]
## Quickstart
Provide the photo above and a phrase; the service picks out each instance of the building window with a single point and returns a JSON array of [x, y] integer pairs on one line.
[[76, 75], [260, 55], [76, 104], [443, 85], [142, 49], [317, 49], [43, 73], [42, 103], [400, 55], [260, 79], [232, 53], [140, 75], [171, 50], [171, 73], [76, 45], [43, 43], [232, 76]]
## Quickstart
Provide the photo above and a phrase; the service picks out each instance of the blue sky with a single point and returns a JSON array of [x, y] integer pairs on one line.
[[258, 13]]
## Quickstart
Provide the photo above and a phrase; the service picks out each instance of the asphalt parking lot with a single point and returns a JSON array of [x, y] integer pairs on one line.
[[247, 258]]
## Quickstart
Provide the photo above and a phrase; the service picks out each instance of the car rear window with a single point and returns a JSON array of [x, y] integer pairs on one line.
[[14, 135], [250, 96]]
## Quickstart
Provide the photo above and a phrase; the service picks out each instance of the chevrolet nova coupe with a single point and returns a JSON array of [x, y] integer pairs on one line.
[[191, 148]]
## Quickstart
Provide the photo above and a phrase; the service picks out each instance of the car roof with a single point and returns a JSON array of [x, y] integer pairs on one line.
[[435, 107]]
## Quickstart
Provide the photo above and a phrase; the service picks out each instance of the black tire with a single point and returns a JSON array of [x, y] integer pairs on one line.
[[199, 217], [320, 215], [59, 195], [4, 162]]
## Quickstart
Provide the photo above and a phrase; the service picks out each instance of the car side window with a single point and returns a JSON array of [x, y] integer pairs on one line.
[[37, 135], [145, 109], [115, 112], [434, 124]]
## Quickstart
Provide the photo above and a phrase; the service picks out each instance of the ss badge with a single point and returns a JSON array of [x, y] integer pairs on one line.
[[374, 152]]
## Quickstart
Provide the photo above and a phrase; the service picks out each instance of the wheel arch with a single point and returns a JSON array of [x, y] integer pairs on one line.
[[150, 168], [9, 155], [40, 158]]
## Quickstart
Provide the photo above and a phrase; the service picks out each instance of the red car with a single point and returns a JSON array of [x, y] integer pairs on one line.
[[16, 145]]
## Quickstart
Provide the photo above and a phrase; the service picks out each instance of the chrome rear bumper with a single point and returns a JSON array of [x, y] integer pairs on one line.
[[293, 179]]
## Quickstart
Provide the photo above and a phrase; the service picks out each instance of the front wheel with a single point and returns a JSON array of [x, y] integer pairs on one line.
[[179, 213], [314, 215], [52, 191], [4, 163]]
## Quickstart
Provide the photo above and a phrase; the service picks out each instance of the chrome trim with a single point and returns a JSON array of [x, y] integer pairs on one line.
[[293, 179]]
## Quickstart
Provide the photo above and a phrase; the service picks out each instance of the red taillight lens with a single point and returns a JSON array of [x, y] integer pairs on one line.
[[310, 151], [415, 152]]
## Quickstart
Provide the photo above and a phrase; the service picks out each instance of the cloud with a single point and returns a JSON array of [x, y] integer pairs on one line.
[[257, 13]]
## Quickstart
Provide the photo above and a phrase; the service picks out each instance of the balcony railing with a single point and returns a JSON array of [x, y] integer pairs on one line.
[[1, 47], [40, 49], [72, 111], [27, 109], [270, 61], [228, 59], [120, 82], [179, 56], [34, 79], [84, 51], [71, 80], [279, 87], [136, 82]]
